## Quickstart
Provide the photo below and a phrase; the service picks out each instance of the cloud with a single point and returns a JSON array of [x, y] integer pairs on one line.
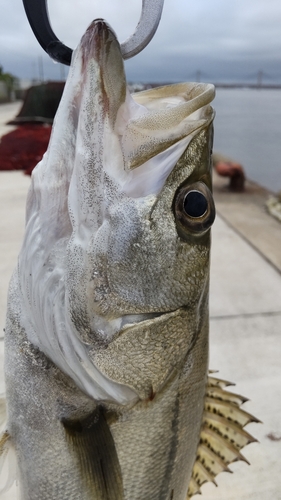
[[222, 39]]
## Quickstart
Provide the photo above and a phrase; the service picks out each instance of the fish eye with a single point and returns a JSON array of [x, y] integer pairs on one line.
[[195, 204], [194, 208]]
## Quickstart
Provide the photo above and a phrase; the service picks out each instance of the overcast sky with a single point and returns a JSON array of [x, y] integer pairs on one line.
[[226, 40]]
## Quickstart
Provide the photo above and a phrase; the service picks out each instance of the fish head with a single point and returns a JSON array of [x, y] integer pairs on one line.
[[140, 194], [124, 206]]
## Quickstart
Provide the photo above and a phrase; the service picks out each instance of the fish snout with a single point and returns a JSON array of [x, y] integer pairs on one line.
[[103, 66]]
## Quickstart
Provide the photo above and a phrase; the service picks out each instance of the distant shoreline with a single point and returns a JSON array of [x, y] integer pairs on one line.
[[246, 86], [148, 85]]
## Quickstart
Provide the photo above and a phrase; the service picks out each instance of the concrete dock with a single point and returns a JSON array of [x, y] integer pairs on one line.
[[245, 318]]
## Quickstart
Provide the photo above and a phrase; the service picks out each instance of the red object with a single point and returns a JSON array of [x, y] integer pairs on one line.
[[234, 171], [24, 147]]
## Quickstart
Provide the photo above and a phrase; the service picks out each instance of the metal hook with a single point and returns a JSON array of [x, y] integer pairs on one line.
[[37, 14]]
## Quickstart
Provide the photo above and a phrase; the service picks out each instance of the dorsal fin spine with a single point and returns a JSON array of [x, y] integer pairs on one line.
[[222, 434]]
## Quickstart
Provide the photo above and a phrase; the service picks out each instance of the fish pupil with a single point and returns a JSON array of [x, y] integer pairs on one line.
[[195, 204]]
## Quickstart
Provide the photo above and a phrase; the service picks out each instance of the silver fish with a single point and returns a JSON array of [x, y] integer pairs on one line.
[[107, 325]]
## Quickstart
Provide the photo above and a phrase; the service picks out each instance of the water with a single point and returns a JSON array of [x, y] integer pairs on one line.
[[248, 129]]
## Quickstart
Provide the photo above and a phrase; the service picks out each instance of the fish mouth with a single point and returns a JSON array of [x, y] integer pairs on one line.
[[131, 320], [108, 329]]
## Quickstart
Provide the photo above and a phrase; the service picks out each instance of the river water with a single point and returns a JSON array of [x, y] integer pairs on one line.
[[248, 129]]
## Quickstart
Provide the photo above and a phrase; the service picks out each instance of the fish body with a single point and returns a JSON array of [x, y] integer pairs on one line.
[[107, 324]]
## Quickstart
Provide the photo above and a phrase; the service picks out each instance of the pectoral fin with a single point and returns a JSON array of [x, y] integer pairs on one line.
[[7, 453]]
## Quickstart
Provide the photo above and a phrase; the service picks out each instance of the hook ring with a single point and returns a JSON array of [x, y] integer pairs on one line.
[[37, 14]]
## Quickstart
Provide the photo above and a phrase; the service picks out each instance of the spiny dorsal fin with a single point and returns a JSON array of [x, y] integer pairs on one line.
[[222, 434], [222, 395], [217, 382], [193, 488], [227, 430], [230, 411]]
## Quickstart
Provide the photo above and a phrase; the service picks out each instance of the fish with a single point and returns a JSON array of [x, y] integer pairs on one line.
[[108, 390]]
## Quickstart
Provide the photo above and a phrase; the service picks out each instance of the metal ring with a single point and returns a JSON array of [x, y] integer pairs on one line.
[[37, 14], [145, 30]]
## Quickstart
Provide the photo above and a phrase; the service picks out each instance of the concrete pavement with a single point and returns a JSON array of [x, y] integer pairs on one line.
[[8, 112], [245, 320]]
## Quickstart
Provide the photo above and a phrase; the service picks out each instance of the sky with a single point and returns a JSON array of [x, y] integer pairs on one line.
[[211, 40]]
